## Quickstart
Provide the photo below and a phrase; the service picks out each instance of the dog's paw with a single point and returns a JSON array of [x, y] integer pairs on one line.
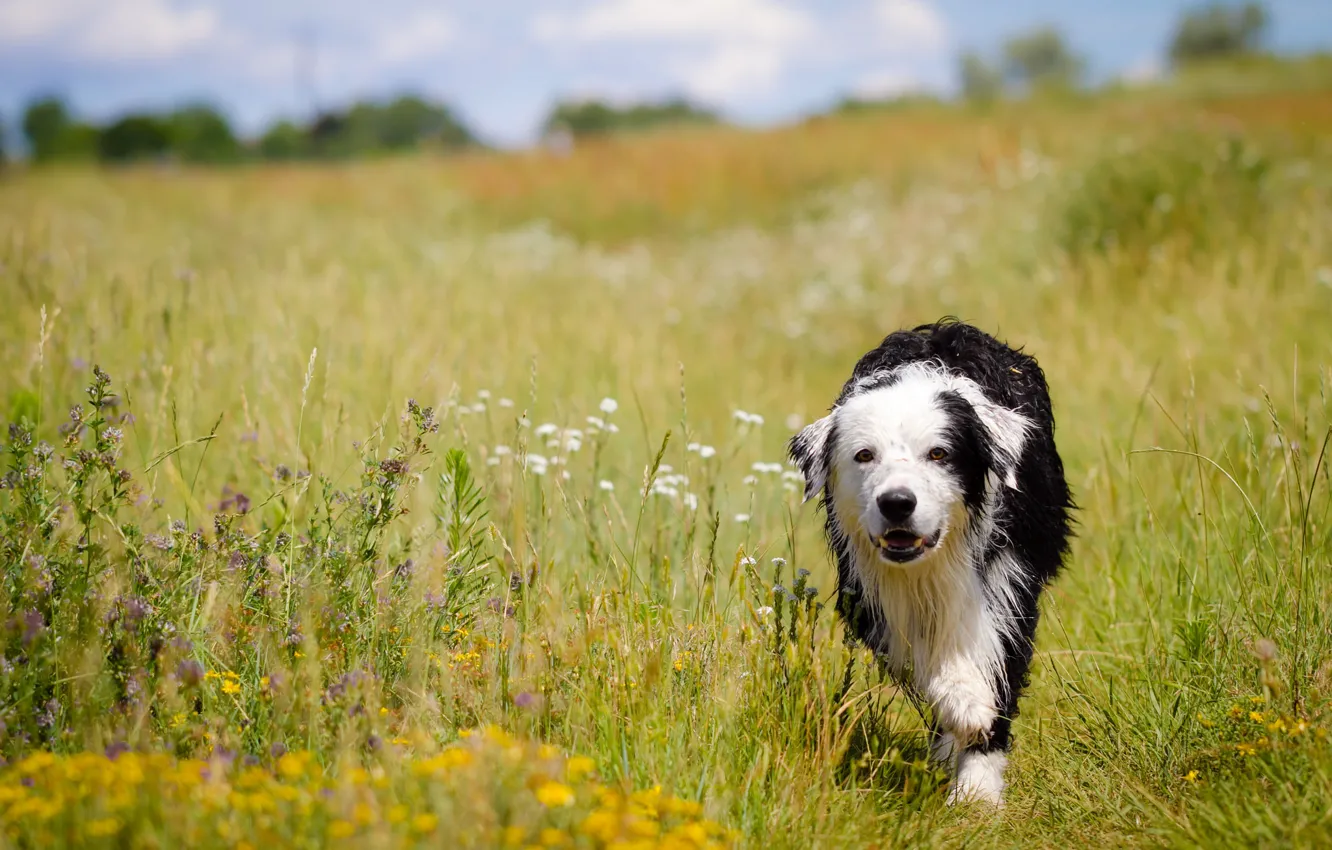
[[980, 779], [964, 706]]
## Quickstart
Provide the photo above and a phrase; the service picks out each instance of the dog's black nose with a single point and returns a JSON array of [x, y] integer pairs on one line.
[[896, 505]]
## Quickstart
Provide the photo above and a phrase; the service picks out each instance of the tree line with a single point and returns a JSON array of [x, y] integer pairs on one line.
[[1043, 60], [199, 133]]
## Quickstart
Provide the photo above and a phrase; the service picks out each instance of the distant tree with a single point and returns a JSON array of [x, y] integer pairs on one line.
[[135, 137], [284, 140], [981, 81], [369, 127], [1218, 30], [1041, 59], [199, 133], [591, 117], [328, 135], [4, 145], [409, 121]]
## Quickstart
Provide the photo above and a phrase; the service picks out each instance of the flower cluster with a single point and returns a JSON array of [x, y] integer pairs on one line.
[[487, 789]]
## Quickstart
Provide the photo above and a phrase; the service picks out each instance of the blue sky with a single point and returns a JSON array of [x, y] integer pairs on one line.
[[503, 62]]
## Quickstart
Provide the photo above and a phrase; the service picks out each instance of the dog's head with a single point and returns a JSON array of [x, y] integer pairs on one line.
[[907, 458]]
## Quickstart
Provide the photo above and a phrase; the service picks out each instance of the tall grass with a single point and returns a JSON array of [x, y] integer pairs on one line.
[[533, 484]]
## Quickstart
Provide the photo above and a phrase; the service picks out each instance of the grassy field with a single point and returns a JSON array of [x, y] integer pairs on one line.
[[444, 502]]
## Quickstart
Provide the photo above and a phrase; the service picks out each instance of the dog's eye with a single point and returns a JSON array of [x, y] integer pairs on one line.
[[864, 456], [938, 453]]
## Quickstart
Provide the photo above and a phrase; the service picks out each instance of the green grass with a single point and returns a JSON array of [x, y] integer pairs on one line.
[[366, 579]]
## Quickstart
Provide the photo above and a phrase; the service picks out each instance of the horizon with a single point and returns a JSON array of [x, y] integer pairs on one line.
[[502, 69]]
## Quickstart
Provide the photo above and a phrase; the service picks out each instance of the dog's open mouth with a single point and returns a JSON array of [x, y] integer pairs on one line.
[[901, 545]]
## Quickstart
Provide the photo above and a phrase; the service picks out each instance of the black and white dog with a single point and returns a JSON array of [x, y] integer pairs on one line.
[[948, 513]]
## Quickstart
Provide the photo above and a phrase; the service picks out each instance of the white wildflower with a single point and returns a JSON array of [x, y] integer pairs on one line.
[[750, 480], [764, 612], [506, 402], [501, 451], [690, 501], [748, 561], [545, 429], [608, 486], [706, 452], [596, 422], [484, 395], [692, 447], [609, 406], [742, 517], [479, 407]]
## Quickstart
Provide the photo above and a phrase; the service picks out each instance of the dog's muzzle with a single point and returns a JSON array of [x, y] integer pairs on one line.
[[902, 545]]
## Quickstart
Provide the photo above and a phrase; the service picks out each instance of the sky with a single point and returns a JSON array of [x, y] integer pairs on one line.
[[502, 63]]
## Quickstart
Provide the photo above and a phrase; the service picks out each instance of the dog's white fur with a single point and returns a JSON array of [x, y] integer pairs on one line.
[[946, 630]]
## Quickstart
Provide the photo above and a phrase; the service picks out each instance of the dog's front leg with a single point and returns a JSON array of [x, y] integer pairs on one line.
[[963, 700], [962, 697]]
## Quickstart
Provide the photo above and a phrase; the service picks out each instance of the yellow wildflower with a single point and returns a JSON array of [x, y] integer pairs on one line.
[[383, 711], [554, 838], [341, 829], [424, 823], [554, 794], [1246, 749], [579, 766], [1204, 722], [102, 827], [1191, 776], [1256, 716], [601, 825], [397, 814], [513, 836], [230, 687]]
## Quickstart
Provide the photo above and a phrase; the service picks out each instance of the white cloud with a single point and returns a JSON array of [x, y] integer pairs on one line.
[[766, 21], [732, 70], [724, 48], [913, 25], [119, 31], [418, 37]]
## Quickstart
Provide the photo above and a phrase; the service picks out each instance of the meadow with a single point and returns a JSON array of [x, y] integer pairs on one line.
[[444, 502]]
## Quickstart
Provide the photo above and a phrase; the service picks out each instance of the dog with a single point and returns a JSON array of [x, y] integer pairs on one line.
[[948, 513]]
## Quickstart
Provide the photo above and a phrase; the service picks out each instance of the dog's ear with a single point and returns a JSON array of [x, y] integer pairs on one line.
[[809, 449], [1007, 430]]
